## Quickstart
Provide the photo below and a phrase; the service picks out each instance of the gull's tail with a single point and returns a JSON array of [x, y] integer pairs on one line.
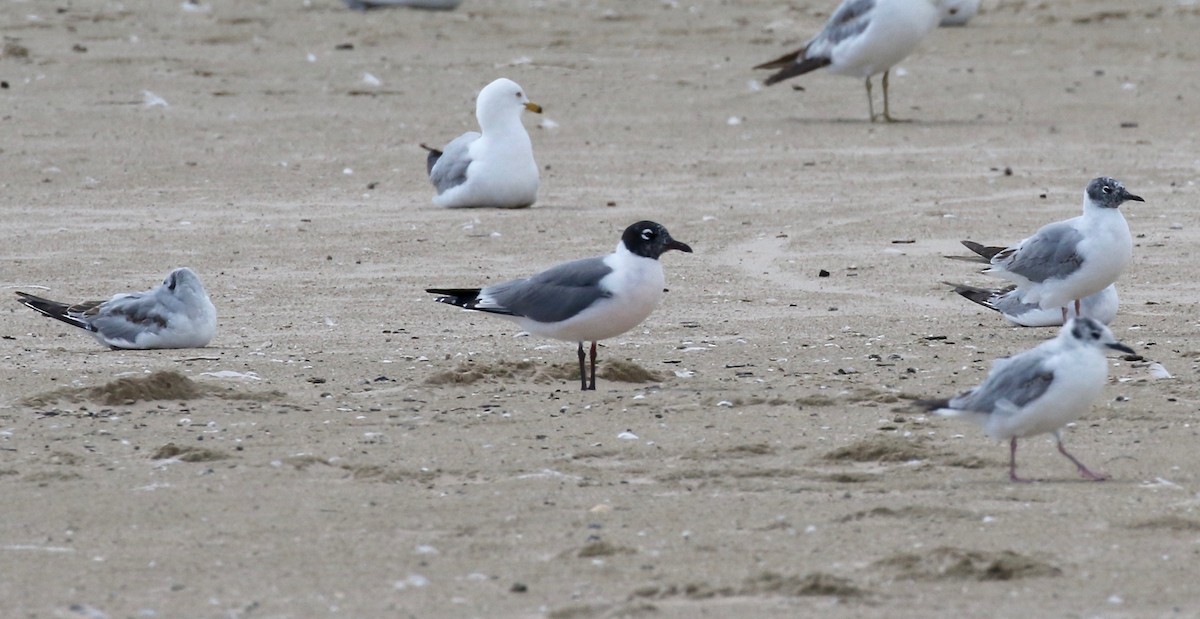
[[462, 297], [790, 65], [54, 309], [434, 155], [982, 296]]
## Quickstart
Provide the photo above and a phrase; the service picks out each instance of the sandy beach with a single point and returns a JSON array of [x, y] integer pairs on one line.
[[346, 447]]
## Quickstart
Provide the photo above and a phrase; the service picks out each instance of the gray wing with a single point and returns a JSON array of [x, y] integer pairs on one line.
[[1018, 381], [1008, 302], [848, 20], [126, 317], [1051, 253], [451, 168], [555, 294]]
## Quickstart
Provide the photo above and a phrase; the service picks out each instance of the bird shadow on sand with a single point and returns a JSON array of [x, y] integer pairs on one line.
[[471, 371]]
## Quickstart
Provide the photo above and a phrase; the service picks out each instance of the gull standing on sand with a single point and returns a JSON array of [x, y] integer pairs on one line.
[[861, 39], [493, 167], [175, 314], [1040, 390], [583, 300], [1065, 261], [1012, 304]]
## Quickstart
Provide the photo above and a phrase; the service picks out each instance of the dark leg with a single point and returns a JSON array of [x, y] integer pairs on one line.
[[1078, 311], [1083, 470], [582, 369], [592, 387], [1012, 463], [1064, 311]]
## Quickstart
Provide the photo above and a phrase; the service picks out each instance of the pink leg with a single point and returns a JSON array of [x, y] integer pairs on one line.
[[1064, 311], [1083, 470], [1012, 460], [1078, 311]]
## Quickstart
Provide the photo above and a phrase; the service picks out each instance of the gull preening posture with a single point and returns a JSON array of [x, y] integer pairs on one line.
[[493, 167], [861, 39], [584, 300], [1040, 390], [1066, 261], [174, 314]]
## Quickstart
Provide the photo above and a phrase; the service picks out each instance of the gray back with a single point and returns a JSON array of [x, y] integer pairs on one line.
[[451, 168], [1018, 381], [1049, 254], [555, 294]]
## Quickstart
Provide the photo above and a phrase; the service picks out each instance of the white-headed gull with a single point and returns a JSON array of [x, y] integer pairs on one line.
[[861, 39], [493, 167]]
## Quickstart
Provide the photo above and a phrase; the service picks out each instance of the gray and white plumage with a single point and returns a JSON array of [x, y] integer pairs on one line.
[[174, 314], [1011, 303], [1008, 301], [584, 300], [1040, 390], [493, 167], [861, 39], [1065, 261]]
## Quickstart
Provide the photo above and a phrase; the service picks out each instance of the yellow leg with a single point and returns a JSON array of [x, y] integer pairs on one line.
[[887, 116]]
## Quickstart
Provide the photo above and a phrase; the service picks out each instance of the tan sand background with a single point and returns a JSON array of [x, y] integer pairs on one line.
[[383, 456]]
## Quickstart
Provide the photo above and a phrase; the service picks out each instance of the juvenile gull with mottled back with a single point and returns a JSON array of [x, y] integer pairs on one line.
[[174, 314]]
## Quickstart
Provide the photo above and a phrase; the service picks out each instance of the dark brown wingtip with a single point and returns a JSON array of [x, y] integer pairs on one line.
[[800, 68], [986, 251], [972, 293], [781, 61]]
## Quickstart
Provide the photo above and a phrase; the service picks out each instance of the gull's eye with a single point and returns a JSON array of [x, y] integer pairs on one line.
[[647, 234], [170, 283], [518, 94], [1106, 189]]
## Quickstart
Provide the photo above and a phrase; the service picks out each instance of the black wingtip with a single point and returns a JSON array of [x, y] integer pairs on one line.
[[454, 296], [795, 69], [432, 158], [52, 309], [982, 296]]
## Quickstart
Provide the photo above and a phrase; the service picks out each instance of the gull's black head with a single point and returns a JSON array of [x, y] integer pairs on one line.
[[1090, 332], [1108, 192], [650, 240]]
